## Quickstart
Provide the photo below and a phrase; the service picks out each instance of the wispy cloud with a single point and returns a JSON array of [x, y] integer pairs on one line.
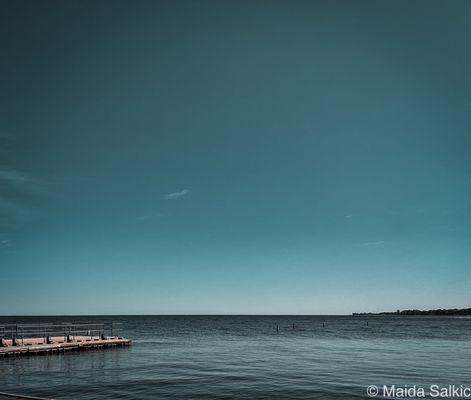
[[377, 243], [177, 195], [5, 243], [16, 177]]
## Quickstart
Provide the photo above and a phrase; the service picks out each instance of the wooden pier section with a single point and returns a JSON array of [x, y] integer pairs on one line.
[[35, 339]]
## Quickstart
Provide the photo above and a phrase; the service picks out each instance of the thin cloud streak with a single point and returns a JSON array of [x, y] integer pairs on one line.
[[176, 195], [6, 243], [17, 177]]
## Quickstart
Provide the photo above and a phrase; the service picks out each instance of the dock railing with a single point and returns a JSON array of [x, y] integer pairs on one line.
[[18, 332]]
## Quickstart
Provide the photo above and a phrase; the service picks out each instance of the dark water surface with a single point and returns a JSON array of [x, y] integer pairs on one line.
[[243, 357]]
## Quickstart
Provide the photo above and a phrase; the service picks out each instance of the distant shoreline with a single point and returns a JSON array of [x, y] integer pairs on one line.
[[439, 311]]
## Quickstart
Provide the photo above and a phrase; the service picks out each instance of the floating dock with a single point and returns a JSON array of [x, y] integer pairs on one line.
[[35, 339]]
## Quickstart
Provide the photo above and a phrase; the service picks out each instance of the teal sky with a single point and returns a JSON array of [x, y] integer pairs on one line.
[[234, 156]]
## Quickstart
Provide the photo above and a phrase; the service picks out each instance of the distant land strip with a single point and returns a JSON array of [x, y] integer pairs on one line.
[[439, 311]]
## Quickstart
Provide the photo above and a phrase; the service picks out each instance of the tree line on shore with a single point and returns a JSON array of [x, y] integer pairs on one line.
[[439, 311]]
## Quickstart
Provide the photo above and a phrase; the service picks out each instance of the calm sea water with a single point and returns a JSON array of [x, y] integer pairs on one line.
[[243, 357]]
